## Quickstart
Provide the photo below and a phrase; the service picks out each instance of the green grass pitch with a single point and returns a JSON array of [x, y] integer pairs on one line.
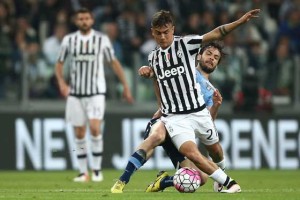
[[55, 185]]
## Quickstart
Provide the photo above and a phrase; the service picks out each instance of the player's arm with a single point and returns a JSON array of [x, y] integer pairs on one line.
[[118, 70], [225, 29], [63, 86], [217, 101]]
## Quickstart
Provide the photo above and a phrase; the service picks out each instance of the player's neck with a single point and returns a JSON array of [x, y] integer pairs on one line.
[[85, 33], [206, 75]]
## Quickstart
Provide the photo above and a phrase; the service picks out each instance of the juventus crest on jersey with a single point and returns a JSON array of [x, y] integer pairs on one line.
[[86, 54], [174, 68]]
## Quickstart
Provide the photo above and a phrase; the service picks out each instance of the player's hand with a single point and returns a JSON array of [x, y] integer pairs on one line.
[[217, 98], [64, 89], [146, 72], [251, 14], [127, 95]]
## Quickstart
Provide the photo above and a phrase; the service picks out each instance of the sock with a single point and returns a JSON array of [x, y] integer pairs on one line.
[[136, 160], [222, 164], [97, 151], [221, 177], [81, 152], [166, 182]]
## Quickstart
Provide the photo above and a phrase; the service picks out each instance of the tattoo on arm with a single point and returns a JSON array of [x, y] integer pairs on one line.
[[223, 30]]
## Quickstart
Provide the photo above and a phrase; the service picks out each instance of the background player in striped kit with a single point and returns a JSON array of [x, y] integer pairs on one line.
[[209, 56], [87, 49], [184, 112]]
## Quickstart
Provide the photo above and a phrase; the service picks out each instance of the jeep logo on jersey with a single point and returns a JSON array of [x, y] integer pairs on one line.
[[171, 72]]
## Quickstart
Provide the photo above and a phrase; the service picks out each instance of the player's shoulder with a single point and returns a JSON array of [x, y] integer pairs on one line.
[[100, 34], [192, 38], [153, 52]]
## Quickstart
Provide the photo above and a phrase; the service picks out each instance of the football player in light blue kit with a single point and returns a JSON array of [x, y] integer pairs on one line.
[[208, 57]]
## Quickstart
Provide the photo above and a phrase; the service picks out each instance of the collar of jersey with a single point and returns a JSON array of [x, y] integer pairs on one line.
[[166, 50], [85, 37]]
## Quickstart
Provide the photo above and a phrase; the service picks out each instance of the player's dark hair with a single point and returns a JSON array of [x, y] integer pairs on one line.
[[216, 45], [162, 18], [84, 10]]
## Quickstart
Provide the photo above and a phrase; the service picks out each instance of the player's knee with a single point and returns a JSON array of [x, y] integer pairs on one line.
[[95, 131], [193, 156], [157, 137]]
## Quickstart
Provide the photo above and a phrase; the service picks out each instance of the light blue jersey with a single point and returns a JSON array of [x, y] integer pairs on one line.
[[207, 89]]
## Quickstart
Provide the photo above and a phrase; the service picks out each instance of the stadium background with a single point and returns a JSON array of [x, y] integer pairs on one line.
[[258, 121]]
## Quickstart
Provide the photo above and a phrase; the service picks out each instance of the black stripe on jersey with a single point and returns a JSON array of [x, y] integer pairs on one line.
[[155, 61], [191, 75], [81, 47], [170, 82], [186, 82], [176, 80], [93, 46], [94, 74], [193, 51], [77, 77], [108, 55], [75, 46], [98, 66], [162, 82], [180, 92], [195, 41], [87, 66]]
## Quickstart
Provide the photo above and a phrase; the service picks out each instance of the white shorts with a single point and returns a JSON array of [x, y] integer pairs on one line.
[[81, 109], [186, 127]]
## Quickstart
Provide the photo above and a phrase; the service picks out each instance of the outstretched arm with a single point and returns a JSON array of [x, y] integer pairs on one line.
[[225, 29]]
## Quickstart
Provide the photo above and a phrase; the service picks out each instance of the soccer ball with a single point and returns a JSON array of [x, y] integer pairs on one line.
[[187, 180]]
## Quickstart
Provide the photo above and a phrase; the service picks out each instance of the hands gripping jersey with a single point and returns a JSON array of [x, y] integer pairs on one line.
[[86, 54], [174, 68]]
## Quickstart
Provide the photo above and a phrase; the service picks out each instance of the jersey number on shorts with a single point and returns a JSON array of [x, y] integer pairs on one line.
[[210, 134]]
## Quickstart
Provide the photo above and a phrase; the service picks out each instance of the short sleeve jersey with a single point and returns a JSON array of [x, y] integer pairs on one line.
[[86, 53]]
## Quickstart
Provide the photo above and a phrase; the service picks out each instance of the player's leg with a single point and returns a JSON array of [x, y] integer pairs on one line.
[[208, 135], [95, 107], [139, 157], [163, 180], [81, 152], [75, 114], [216, 153], [182, 130]]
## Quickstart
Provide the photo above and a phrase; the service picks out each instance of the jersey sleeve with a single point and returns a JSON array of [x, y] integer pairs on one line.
[[193, 43], [108, 50], [150, 59], [64, 49]]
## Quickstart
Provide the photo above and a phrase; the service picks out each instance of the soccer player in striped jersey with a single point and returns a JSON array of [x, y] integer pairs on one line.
[[87, 49], [209, 56], [184, 113]]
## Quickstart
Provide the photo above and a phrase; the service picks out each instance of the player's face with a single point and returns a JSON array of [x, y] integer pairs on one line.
[[163, 35], [84, 22], [209, 59]]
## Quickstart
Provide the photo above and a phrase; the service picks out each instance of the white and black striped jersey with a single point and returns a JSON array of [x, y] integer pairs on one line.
[[86, 53], [174, 68]]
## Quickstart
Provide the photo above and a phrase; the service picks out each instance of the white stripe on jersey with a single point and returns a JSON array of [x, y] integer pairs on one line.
[[175, 68], [87, 54]]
